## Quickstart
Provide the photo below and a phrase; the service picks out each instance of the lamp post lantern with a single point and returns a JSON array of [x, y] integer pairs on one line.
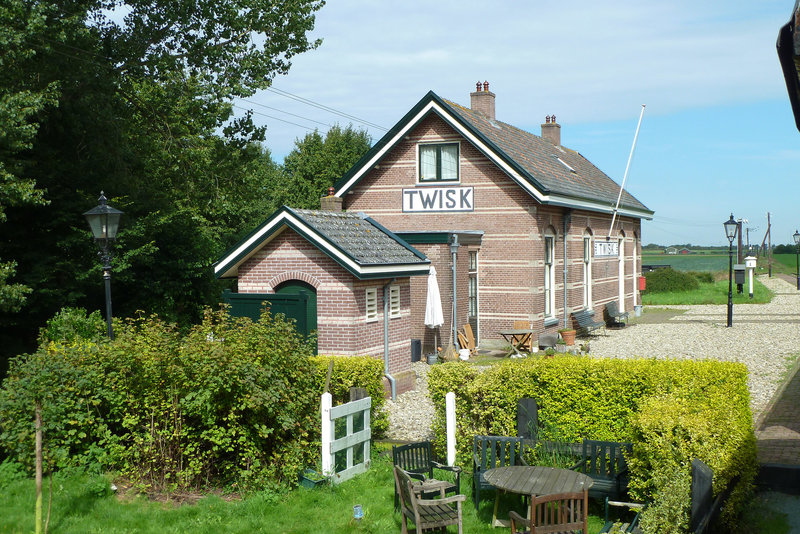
[[730, 232], [104, 223], [797, 256]]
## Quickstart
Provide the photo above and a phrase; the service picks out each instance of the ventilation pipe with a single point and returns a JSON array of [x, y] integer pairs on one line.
[[454, 251], [389, 377], [567, 220]]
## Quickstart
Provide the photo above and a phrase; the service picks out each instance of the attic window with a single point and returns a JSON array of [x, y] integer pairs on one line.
[[438, 162], [565, 164]]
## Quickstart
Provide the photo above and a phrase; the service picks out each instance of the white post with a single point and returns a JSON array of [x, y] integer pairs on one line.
[[327, 434], [450, 411], [750, 264]]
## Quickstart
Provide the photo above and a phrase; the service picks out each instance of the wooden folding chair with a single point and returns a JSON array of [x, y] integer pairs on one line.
[[524, 325]]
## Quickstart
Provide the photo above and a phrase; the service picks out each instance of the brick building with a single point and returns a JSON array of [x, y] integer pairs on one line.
[[526, 221]]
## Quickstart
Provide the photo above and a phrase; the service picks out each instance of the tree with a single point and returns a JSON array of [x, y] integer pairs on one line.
[[315, 164], [134, 98]]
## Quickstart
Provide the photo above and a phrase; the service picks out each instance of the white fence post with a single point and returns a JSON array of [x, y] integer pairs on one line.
[[327, 434], [450, 411]]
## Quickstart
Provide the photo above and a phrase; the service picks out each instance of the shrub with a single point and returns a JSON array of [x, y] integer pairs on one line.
[[355, 371], [232, 402], [73, 324], [704, 277], [670, 280]]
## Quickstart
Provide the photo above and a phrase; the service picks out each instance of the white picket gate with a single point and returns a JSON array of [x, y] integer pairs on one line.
[[353, 442]]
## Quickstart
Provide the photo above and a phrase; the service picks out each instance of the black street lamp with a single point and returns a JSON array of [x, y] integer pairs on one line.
[[797, 250], [104, 222], [730, 232]]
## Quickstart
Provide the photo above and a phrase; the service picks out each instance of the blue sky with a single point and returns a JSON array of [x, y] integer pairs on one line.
[[717, 135]]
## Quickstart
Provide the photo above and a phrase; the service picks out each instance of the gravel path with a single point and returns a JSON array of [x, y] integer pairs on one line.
[[765, 337]]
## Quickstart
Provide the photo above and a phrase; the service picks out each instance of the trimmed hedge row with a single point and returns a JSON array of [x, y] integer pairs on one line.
[[673, 411], [231, 402]]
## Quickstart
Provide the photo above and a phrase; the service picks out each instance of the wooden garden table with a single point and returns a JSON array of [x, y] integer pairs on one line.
[[533, 480], [517, 337]]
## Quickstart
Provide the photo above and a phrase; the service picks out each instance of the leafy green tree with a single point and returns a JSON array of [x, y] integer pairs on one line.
[[133, 98], [315, 163]]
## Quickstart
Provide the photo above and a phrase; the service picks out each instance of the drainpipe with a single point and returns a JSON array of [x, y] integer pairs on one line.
[[454, 251], [392, 381], [567, 220]]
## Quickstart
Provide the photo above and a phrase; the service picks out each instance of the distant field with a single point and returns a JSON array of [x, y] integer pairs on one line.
[[789, 260], [689, 262]]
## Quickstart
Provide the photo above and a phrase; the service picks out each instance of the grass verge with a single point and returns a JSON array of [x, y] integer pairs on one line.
[[84, 503], [716, 293]]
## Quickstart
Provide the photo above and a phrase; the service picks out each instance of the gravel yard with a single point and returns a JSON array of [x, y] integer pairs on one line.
[[765, 337]]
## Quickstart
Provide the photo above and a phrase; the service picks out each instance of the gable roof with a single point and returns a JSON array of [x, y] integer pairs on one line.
[[356, 242], [531, 161]]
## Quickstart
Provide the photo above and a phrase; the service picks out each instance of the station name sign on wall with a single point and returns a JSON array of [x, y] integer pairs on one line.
[[606, 249], [438, 199]]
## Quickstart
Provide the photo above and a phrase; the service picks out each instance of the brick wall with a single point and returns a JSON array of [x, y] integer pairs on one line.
[[511, 255], [341, 300]]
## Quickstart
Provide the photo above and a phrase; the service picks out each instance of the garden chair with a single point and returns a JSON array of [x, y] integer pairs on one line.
[[426, 514], [615, 317], [416, 459], [604, 462], [489, 452], [560, 512]]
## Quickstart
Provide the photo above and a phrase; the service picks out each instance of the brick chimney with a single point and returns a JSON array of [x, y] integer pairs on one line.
[[482, 100], [551, 130], [330, 202]]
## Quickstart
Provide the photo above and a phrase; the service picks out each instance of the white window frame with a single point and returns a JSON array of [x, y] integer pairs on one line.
[[394, 302], [438, 180], [371, 304], [472, 292], [549, 276], [587, 272]]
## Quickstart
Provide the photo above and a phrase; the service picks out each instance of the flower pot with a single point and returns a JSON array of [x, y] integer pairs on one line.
[[568, 336], [309, 478]]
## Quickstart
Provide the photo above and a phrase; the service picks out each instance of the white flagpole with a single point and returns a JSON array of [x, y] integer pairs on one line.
[[625, 177]]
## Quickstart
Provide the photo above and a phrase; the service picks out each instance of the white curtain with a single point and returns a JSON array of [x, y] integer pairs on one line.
[[427, 162], [449, 162]]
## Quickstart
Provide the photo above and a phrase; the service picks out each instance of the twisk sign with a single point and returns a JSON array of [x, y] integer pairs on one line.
[[438, 199]]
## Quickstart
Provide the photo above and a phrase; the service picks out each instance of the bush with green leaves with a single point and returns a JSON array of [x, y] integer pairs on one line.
[[355, 371], [231, 402], [673, 412], [669, 280]]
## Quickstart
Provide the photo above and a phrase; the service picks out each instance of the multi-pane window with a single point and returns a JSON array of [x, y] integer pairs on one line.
[[438, 162], [372, 304], [587, 272], [473, 284], [549, 276], [394, 301]]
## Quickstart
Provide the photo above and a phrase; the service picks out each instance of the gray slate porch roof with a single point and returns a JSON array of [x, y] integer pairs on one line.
[[355, 241]]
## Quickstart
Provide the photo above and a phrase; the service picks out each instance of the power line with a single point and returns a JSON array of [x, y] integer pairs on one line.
[[282, 111], [271, 117], [323, 107]]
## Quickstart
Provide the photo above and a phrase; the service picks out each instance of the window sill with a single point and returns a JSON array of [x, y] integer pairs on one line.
[[550, 321]]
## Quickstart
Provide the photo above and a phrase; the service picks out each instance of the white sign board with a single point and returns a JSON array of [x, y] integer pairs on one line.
[[606, 248], [438, 199]]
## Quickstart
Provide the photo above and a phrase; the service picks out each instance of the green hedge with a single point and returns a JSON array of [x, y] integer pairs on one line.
[[670, 280], [673, 411], [231, 402]]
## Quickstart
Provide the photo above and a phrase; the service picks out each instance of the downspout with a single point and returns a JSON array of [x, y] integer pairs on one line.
[[454, 251], [567, 220], [392, 381]]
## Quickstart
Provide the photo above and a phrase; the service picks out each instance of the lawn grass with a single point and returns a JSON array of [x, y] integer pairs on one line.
[[83, 503], [716, 293]]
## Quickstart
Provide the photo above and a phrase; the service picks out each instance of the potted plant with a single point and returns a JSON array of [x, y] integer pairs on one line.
[[561, 345], [310, 478], [568, 335]]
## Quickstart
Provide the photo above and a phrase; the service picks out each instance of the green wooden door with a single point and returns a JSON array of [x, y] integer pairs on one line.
[[304, 290], [294, 305]]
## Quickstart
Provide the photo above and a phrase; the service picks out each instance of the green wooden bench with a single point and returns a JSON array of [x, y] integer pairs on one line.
[[489, 452], [605, 463], [586, 323]]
